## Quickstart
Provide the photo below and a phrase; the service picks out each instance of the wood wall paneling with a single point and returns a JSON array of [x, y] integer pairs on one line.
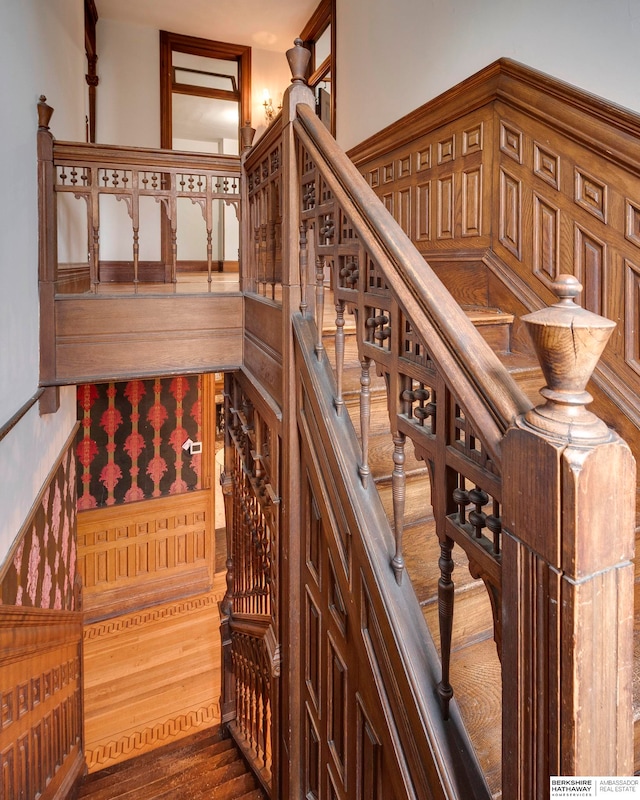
[[40, 702], [102, 337], [133, 555], [436, 187], [559, 176], [263, 343], [151, 677]]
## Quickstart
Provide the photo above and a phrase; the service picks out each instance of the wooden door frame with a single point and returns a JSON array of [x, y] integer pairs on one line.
[[323, 17], [175, 42]]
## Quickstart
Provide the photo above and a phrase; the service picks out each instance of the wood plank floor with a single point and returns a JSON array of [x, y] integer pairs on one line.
[[151, 676]]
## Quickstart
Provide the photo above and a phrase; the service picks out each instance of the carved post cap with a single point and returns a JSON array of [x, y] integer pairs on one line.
[[246, 136], [568, 341], [44, 113], [298, 58]]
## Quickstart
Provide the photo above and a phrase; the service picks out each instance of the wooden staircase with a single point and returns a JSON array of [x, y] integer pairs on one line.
[[475, 665], [204, 765]]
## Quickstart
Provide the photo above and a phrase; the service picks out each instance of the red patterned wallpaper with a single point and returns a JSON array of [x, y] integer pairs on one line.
[[131, 436], [42, 569]]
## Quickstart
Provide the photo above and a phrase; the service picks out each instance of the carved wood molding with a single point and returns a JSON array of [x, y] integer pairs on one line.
[[149, 738], [558, 104], [113, 627], [560, 171], [28, 631], [40, 704]]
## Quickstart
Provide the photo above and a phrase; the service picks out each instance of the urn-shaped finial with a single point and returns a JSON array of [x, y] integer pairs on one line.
[[298, 58], [568, 341], [246, 136], [44, 113]]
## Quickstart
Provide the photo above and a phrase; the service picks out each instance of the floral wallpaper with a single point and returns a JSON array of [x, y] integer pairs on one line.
[[131, 436], [41, 573]]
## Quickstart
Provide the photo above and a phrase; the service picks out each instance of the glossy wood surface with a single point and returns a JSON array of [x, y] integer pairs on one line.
[[151, 677]]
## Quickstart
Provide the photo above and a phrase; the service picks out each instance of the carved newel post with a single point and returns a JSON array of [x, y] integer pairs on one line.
[[47, 258], [568, 516], [290, 745]]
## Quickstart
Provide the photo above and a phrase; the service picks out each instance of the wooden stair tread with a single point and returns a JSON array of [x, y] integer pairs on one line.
[[421, 552], [224, 783], [162, 758], [477, 682], [487, 315], [203, 767], [164, 768]]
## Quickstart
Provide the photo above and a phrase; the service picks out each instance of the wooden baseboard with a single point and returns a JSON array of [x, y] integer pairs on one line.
[[73, 279], [138, 595], [155, 271]]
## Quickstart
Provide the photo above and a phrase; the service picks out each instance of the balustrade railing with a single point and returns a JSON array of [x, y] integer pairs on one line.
[[249, 610], [507, 480], [452, 403], [175, 181], [262, 268], [314, 225], [252, 674]]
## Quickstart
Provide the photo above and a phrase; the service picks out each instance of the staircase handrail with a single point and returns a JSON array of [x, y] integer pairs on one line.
[[72, 153], [484, 386]]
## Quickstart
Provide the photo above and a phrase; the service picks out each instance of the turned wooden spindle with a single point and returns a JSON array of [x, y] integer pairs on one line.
[[568, 341]]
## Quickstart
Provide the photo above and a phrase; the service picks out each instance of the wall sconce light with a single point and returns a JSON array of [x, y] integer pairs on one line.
[[269, 111]]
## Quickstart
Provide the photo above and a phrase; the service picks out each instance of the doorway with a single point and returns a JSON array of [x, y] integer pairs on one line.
[[205, 97]]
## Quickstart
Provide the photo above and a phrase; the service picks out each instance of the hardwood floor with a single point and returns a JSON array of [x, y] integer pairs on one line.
[[151, 676], [204, 765], [186, 283]]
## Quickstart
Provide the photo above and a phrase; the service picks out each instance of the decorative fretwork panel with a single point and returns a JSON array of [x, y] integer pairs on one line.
[[94, 174], [445, 432], [262, 269]]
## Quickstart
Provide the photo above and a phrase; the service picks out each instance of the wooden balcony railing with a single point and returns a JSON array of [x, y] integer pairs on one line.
[[101, 209], [90, 173], [262, 273]]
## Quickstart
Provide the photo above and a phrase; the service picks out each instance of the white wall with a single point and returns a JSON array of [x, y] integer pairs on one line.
[[129, 92], [41, 52], [128, 96], [393, 57], [269, 71]]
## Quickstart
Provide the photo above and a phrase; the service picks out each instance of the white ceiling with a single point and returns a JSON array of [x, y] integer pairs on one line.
[[266, 24]]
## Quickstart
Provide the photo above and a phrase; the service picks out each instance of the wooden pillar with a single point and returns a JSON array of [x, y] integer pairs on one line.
[[47, 259], [569, 515], [290, 718]]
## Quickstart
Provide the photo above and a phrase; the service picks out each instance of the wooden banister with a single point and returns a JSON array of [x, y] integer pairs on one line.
[[520, 490], [76, 153], [453, 339]]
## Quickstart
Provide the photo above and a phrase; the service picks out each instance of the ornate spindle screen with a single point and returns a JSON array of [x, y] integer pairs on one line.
[[250, 485], [252, 674], [262, 270], [91, 172], [450, 432]]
